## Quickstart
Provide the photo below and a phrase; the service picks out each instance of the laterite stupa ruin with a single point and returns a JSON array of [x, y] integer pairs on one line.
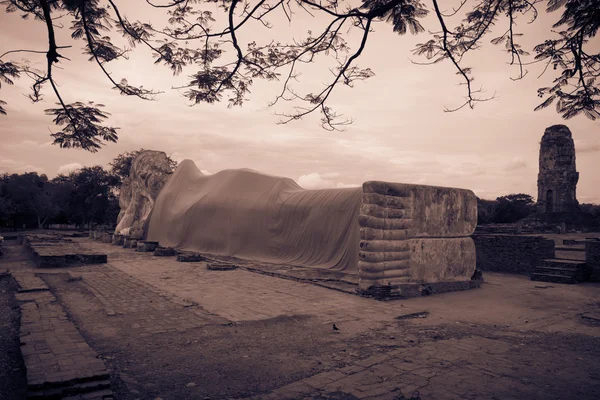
[[558, 177], [397, 238], [557, 182]]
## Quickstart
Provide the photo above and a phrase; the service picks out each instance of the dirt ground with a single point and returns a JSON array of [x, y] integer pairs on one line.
[[221, 361], [239, 334]]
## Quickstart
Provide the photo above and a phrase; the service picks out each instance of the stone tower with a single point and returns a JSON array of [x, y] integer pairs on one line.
[[557, 179]]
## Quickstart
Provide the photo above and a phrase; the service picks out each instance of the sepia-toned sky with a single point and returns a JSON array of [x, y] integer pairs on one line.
[[400, 133]]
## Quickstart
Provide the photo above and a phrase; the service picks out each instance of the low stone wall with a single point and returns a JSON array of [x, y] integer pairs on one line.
[[55, 251], [511, 253]]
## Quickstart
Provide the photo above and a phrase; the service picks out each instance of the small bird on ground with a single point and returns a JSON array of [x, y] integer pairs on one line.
[[335, 328]]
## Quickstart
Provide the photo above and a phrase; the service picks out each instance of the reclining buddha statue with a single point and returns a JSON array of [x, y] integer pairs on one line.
[[394, 236]]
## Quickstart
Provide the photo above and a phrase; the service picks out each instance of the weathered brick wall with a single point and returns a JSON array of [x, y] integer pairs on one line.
[[592, 253], [592, 259], [511, 253]]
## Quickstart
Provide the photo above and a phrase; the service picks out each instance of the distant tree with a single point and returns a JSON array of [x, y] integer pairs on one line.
[[31, 193], [513, 207], [8, 207], [485, 210], [593, 209], [121, 165], [191, 40], [83, 197], [93, 200], [63, 197]]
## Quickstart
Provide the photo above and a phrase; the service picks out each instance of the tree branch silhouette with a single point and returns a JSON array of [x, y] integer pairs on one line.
[[197, 40]]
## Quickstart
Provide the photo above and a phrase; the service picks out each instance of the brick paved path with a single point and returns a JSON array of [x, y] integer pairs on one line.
[[29, 282], [150, 295], [57, 358], [456, 369], [148, 309], [471, 368], [240, 295]]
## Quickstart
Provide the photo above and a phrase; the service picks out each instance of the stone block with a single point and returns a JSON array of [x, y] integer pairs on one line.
[[144, 246], [213, 266], [118, 240], [442, 259], [191, 257], [165, 251], [130, 242]]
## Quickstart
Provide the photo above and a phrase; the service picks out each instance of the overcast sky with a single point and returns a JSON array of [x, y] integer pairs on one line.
[[400, 133]]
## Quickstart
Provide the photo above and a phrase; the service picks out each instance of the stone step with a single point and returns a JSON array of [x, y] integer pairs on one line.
[[90, 389], [28, 282], [562, 263], [570, 248], [552, 278], [570, 272], [567, 258]]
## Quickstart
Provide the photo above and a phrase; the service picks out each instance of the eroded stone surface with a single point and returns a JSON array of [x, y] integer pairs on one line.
[[415, 234], [442, 259], [149, 172]]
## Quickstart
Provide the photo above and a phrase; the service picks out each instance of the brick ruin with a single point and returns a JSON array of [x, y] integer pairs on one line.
[[557, 204], [557, 178]]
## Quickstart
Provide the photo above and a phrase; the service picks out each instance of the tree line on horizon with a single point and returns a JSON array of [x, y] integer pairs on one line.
[[86, 197], [89, 196], [514, 207]]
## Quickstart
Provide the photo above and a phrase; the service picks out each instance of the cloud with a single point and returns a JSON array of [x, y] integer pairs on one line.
[[12, 166], [65, 169], [314, 181], [323, 181], [342, 185], [587, 146], [31, 143], [515, 164]]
